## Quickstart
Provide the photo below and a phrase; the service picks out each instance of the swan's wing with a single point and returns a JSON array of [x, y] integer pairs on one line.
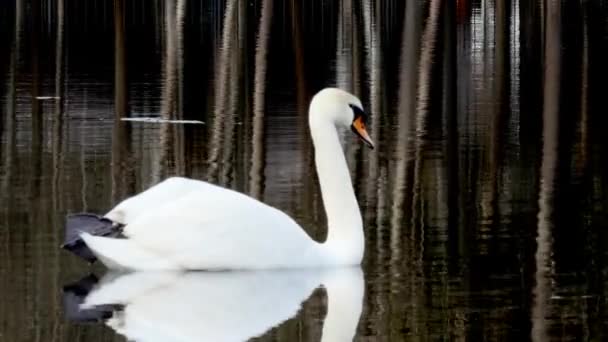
[[220, 228], [155, 197]]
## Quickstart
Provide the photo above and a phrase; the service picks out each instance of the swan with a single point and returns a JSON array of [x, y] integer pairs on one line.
[[186, 224], [150, 306]]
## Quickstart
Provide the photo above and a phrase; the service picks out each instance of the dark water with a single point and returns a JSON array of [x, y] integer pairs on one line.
[[484, 203]]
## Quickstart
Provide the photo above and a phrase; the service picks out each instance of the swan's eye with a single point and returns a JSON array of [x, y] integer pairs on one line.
[[358, 126], [358, 113]]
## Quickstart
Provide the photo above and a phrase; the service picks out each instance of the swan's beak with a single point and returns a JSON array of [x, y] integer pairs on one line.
[[358, 127]]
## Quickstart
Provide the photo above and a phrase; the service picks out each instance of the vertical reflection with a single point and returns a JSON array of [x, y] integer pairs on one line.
[[59, 60], [178, 130], [171, 149], [237, 75], [11, 107], [223, 118], [429, 38], [344, 51], [10, 143], [451, 142], [451, 205], [121, 180], [170, 67], [408, 80], [31, 256], [256, 173], [121, 99], [499, 113], [309, 199], [57, 149], [584, 118], [58, 116], [371, 24], [542, 290], [371, 32], [301, 92], [37, 134], [425, 73], [347, 63]]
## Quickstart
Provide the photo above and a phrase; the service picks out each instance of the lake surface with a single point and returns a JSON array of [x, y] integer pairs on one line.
[[484, 203]]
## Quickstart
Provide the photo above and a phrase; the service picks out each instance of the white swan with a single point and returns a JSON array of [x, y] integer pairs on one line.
[[226, 306], [189, 224]]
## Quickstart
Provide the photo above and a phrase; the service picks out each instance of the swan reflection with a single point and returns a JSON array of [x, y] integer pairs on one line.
[[224, 306]]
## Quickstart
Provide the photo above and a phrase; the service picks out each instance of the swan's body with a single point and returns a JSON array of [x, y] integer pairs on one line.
[[226, 306], [189, 224]]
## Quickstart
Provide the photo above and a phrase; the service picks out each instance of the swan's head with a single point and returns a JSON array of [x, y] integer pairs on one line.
[[341, 108]]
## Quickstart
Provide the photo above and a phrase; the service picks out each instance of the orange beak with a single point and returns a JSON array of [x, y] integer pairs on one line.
[[359, 128]]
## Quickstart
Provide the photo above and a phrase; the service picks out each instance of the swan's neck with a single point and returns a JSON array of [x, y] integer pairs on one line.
[[344, 224]]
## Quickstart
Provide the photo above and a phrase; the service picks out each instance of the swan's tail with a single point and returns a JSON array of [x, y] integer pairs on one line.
[[77, 224], [74, 296], [124, 254]]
